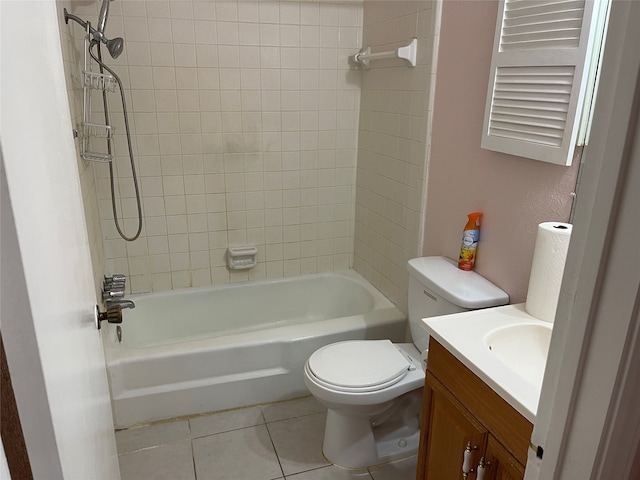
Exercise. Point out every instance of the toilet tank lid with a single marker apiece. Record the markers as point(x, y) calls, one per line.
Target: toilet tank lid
point(464, 289)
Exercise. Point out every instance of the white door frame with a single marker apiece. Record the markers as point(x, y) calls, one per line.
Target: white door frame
point(588, 416)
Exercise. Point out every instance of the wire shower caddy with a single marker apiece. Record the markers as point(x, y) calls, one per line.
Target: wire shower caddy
point(94, 130)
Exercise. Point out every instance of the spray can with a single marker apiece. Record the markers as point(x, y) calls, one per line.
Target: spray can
point(470, 237)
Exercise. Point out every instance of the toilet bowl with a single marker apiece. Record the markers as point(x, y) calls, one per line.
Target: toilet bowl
point(372, 417)
point(373, 388)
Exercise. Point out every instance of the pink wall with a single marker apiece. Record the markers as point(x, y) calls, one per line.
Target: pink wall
point(515, 194)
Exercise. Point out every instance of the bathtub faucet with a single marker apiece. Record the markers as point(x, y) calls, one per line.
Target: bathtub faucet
point(120, 301)
point(113, 290)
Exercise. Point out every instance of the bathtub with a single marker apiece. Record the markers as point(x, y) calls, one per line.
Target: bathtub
point(198, 350)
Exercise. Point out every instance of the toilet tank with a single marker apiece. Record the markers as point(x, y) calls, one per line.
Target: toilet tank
point(438, 287)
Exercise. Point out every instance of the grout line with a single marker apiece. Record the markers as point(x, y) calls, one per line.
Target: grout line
point(274, 447)
point(193, 455)
point(206, 414)
point(296, 416)
point(193, 461)
point(227, 431)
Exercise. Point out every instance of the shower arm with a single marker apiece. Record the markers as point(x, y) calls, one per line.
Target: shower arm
point(96, 34)
point(115, 45)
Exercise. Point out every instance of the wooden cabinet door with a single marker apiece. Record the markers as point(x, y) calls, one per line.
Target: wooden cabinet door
point(447, 427)
point(501, 465)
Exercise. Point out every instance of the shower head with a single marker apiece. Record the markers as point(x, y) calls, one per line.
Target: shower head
point(115, 45)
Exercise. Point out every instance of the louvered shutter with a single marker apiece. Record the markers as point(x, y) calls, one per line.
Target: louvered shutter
point(538, 78)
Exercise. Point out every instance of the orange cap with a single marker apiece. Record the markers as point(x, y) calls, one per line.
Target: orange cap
point(474, 220)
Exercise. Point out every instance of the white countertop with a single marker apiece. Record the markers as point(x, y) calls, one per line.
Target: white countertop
point(463, 335)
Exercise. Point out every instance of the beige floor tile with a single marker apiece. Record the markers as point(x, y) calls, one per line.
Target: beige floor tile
point(225, 421)
point(245, 454)
point(168, 462)
point(133, 439)
point(400, 470)
point(293, 408)
point(298, 442)
point(237, 445)
point(331, 473)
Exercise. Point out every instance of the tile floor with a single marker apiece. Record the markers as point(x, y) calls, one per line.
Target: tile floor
point(266, 442)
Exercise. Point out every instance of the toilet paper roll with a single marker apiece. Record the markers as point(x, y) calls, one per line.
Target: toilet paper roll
point(549, 256)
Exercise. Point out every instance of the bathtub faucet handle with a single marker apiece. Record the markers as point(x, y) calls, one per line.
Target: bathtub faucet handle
point(115, 278)
point(116, 281)
point(113, 291)
point(113, 286)
point(110, 294)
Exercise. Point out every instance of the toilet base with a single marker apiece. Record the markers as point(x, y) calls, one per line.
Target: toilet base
point(357, 442)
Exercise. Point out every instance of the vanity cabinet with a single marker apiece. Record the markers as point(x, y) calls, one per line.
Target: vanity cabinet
point(460, 412)
point(501, 465)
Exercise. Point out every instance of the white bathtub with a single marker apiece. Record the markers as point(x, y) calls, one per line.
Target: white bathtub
point(199, 350)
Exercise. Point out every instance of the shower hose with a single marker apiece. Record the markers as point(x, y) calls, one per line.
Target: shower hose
point(104, 67)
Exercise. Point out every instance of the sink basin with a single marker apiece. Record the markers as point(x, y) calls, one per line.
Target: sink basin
point(504, 346)
point(523, 348)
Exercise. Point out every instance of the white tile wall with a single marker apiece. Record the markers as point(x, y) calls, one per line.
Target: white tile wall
point(393, 149)
point(72, 59)
point(244, 121)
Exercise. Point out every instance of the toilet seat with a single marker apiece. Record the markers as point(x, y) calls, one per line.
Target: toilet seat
point(359, 366)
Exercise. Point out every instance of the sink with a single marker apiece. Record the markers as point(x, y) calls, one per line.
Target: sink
point(523, 348)
point(504, 346)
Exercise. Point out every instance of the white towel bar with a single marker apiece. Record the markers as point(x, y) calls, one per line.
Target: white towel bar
point(408, 52)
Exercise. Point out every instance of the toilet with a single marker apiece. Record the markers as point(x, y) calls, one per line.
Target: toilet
point(373, 388)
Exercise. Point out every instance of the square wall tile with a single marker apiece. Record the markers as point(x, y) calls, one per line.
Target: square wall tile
point(250, 90)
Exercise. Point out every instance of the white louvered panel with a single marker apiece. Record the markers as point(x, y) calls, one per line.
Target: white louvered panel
point(541, 136)
point(537, 83)
point(533, 24)
point(531, 103)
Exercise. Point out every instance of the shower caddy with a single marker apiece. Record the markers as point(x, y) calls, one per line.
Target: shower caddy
point(104, 83)
point(101, 82)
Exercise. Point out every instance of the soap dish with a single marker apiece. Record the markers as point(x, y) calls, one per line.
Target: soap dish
point(242, 258)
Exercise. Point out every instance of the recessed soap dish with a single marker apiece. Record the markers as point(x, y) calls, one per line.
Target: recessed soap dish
point(242, 258)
